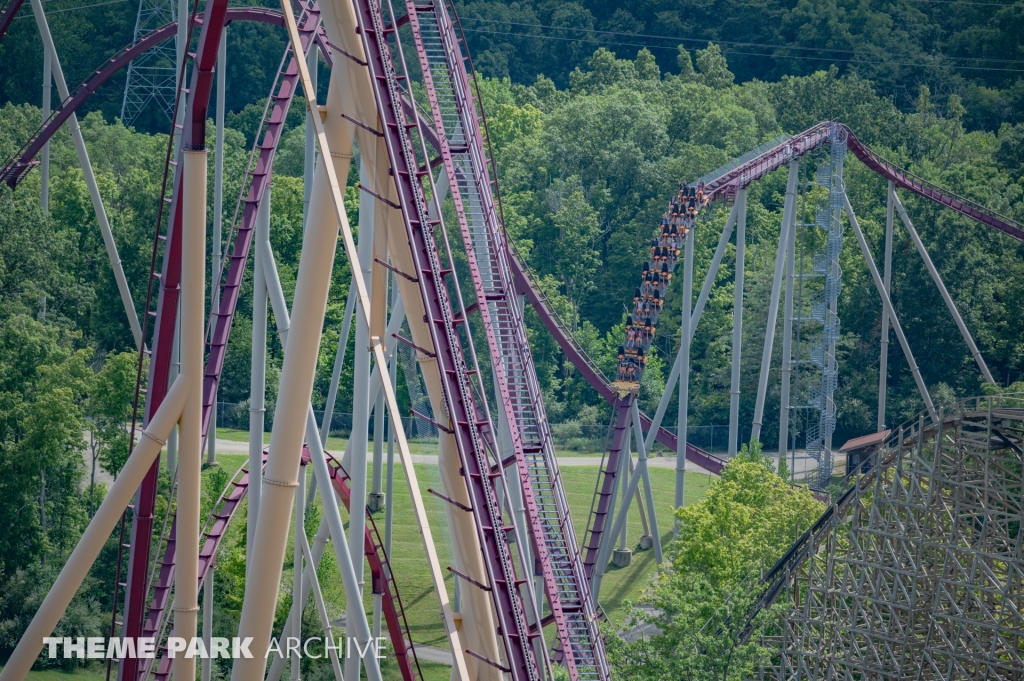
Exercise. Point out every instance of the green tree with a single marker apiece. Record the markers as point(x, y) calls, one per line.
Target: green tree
point(110, 409)
point(700, 603)
point(713, 67)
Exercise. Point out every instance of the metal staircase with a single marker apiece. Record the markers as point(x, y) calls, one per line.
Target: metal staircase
point(457, 125)
point(467, 418)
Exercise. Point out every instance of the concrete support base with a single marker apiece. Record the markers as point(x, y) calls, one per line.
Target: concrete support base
point(622, 557)
point(646, 542)
point(375, 501)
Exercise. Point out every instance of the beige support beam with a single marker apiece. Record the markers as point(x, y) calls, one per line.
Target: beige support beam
point(363, 306)
point(190, 443)
point(96, 534)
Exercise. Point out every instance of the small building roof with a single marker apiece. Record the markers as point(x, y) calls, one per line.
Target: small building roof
point(865, 441)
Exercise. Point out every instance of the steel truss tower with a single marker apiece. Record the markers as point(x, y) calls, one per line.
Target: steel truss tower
point(151, 75)
point(918, 570)
point(815, 363)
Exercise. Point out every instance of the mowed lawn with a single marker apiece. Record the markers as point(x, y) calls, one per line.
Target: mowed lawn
point(409, 564)
point(410, 567)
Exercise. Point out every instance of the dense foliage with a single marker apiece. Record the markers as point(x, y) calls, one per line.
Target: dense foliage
point(589, 147)
point(701, 602)
point(972, 49)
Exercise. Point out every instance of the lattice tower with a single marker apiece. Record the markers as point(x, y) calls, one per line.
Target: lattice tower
point(151, 75)
point(918, 573)
point(817, 324)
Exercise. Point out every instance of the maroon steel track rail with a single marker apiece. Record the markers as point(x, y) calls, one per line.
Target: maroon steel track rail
point(214, 532)
point(13, 172)
point(222, 318)
point(163, 332)
point(470, 428)
point(599, 518)
point(588, 368)
point(452, 106)
point(381, 574)
point(912, 183)
point(10, 8)
point(382, 578)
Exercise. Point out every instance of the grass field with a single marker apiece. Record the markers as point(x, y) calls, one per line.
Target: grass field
point(338, 444)
point(407, 557)
point(620, 585)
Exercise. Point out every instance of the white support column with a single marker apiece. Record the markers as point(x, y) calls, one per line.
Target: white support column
point(258, 374)
point(308, 580)
point(90, 177)
point(187, 521)
point(950, 305)
point(737, 323)
point(44, 156)
point(218, 220)
point(888, 306)
point(311, 583)
point(339, 363)
point(787, 333)
point(207, 671)
point(682, 418)
point(883, 359)
point(773, 303)
point(297, 594)
point(358, 440)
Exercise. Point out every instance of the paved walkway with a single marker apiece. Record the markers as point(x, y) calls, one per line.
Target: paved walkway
point(803, 464)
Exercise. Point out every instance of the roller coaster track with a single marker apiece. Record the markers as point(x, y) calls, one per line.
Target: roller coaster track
point(908, 436)
point(469, 421)
point(7, 12)
point(381, 574)
point(496, 272)
point(468, 168)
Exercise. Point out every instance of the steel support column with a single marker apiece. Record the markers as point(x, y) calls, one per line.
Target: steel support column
point(883, 359)
point(89, 177)
point(888, 306)
point(218, 220)
point(950, 305)
point(187, 520)
point(682, 418)
point(737, 323)
point(787, 334)
point(788, 210)
point(258, 372)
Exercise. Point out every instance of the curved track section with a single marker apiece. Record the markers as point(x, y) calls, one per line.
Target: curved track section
point(7, 12)
point(14, 170)
point(381, 574)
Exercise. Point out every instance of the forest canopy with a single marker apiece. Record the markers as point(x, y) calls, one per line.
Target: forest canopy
point(595, 113)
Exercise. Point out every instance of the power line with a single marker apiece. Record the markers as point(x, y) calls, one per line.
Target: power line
point(72, 9)
point(706, 40)
point(730, 51)
point(964, 2)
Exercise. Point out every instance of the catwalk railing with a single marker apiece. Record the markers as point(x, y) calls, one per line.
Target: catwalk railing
point(453, 108)
point(470, 423)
